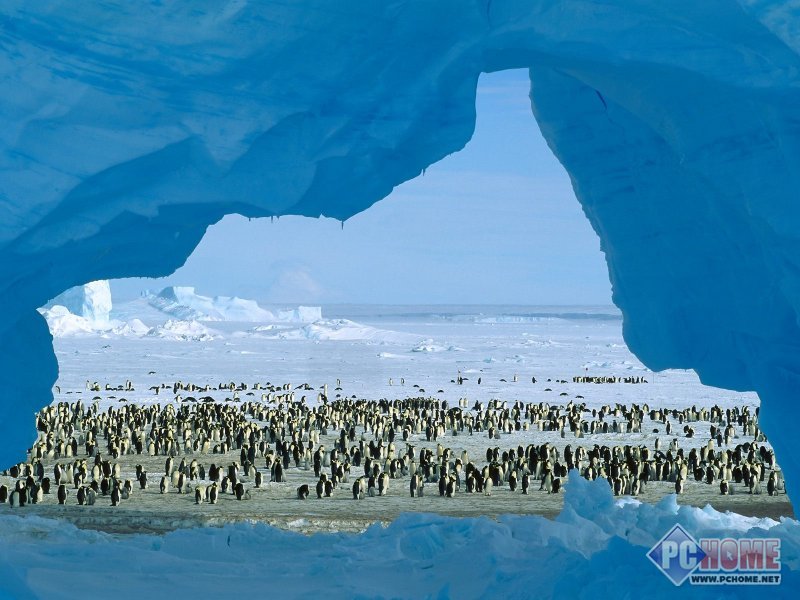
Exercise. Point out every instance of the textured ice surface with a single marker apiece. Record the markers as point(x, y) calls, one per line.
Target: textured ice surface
point(594, 544)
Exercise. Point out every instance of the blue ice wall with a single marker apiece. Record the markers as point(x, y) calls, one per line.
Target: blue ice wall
point(129, 127)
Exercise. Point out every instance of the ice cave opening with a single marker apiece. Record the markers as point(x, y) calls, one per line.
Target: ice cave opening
point(132, 127)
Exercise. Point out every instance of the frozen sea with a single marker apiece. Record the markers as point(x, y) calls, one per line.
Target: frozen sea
point(372, 349)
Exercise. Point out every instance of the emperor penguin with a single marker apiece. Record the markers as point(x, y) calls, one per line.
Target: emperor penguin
point(213, 493)
point(302, 492)
point(772, 484)
point(62, 494)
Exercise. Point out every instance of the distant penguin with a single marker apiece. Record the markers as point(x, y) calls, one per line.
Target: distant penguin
point(164, 485)
point(679, 485)
point(3, 494)
point(81, 495)
point(259, 479)
point(487, 487)
point(115, 496)
point(358, 492)
point(723, 487)
point(302, 492)
point(213, 493)
point(143, 480)
point(526, 482)
point(198, 494)
point(239, 491)
point(91, 496)
point(62, 494)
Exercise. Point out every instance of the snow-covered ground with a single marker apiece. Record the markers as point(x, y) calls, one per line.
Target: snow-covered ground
point(386, 352)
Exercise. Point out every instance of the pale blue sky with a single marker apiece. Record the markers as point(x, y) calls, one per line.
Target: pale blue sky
point(496, 223)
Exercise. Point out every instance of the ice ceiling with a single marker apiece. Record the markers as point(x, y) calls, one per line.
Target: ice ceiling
point(129, 127)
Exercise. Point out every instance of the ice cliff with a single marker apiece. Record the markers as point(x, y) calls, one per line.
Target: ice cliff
point(128, 128)
point(91, 301)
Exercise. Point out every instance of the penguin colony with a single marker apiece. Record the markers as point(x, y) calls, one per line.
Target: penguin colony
point(214, 450)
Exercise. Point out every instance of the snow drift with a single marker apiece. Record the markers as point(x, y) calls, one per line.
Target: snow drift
point(594, 544)
point(336, 330)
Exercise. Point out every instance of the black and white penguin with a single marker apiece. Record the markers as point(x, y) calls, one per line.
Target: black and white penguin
point(358, 489)
point(213, 493)
point(164, 485)
point(526, 483)
point(679, 485)
point(143, 480)
point(772, 484)
point(302, 492)
point(81, 495)
point(115, 496)
point(62, 494)
point(321, 486)
point(723, 487)
point(415, 485)
point(258, 479)
point(3, 494)
point(239, 491)
point(199, 494)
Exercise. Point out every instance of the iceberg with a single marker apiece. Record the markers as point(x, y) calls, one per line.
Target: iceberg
point(91, 301)
point(185, 303)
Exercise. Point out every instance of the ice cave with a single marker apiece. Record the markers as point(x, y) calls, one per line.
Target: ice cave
point(132, 127)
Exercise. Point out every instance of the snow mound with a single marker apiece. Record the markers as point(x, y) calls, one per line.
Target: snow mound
point(91, 301)
point(62, 323)
point(130, 329)
point(183, 331)
point(344, 330)
point(624, 365)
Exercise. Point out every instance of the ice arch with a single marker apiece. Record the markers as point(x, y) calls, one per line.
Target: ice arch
point(128, 128)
